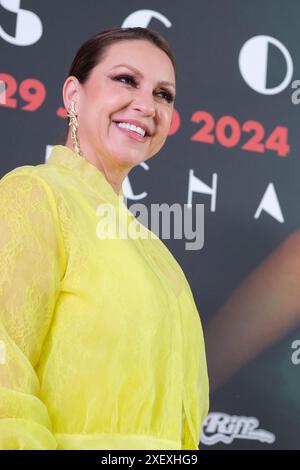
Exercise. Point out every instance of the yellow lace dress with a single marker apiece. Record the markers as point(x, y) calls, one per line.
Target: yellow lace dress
point(101, 343)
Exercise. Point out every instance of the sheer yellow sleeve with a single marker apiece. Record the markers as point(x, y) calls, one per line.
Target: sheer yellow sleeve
point(31, 265)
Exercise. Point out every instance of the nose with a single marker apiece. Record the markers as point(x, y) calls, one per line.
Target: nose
point(144, 102)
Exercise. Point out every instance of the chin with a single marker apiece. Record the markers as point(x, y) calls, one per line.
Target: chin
point(130, 161)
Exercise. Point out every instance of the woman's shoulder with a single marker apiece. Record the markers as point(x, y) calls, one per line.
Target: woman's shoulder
point(20, 170)
point(49, 177)
point(31, 185)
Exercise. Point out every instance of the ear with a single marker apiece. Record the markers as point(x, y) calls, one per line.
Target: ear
point(71, 92)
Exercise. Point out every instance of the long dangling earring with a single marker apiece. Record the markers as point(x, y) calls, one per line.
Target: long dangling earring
point(74, 128)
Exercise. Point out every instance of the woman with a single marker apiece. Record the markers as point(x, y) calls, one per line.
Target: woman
point(102, 344)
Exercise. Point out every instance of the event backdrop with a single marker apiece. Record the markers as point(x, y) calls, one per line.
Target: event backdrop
point(233, 146)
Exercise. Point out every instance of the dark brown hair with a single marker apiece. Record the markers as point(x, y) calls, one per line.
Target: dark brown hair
point(93, 50)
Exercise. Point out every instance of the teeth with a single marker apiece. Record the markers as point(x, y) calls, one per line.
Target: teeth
point(132, 127)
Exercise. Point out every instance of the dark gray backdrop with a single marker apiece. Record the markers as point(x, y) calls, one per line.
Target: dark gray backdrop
point(207, 37)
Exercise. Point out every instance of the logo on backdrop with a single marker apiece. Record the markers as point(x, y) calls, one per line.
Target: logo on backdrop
point(142, 18)
point(254, 64)
point(29, 28)
point(269, 202)
point(221, 427)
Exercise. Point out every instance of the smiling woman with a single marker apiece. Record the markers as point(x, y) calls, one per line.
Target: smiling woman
point(101, 341)
point(122, 85)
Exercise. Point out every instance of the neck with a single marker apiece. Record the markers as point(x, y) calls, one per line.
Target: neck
point(114, 175)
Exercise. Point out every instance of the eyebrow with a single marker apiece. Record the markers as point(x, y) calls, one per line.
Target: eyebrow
point(162, 82)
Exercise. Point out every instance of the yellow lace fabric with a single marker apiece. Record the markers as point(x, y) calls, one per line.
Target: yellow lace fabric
point(101, 343)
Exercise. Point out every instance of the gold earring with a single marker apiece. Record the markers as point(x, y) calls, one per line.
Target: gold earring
point(73, 123)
